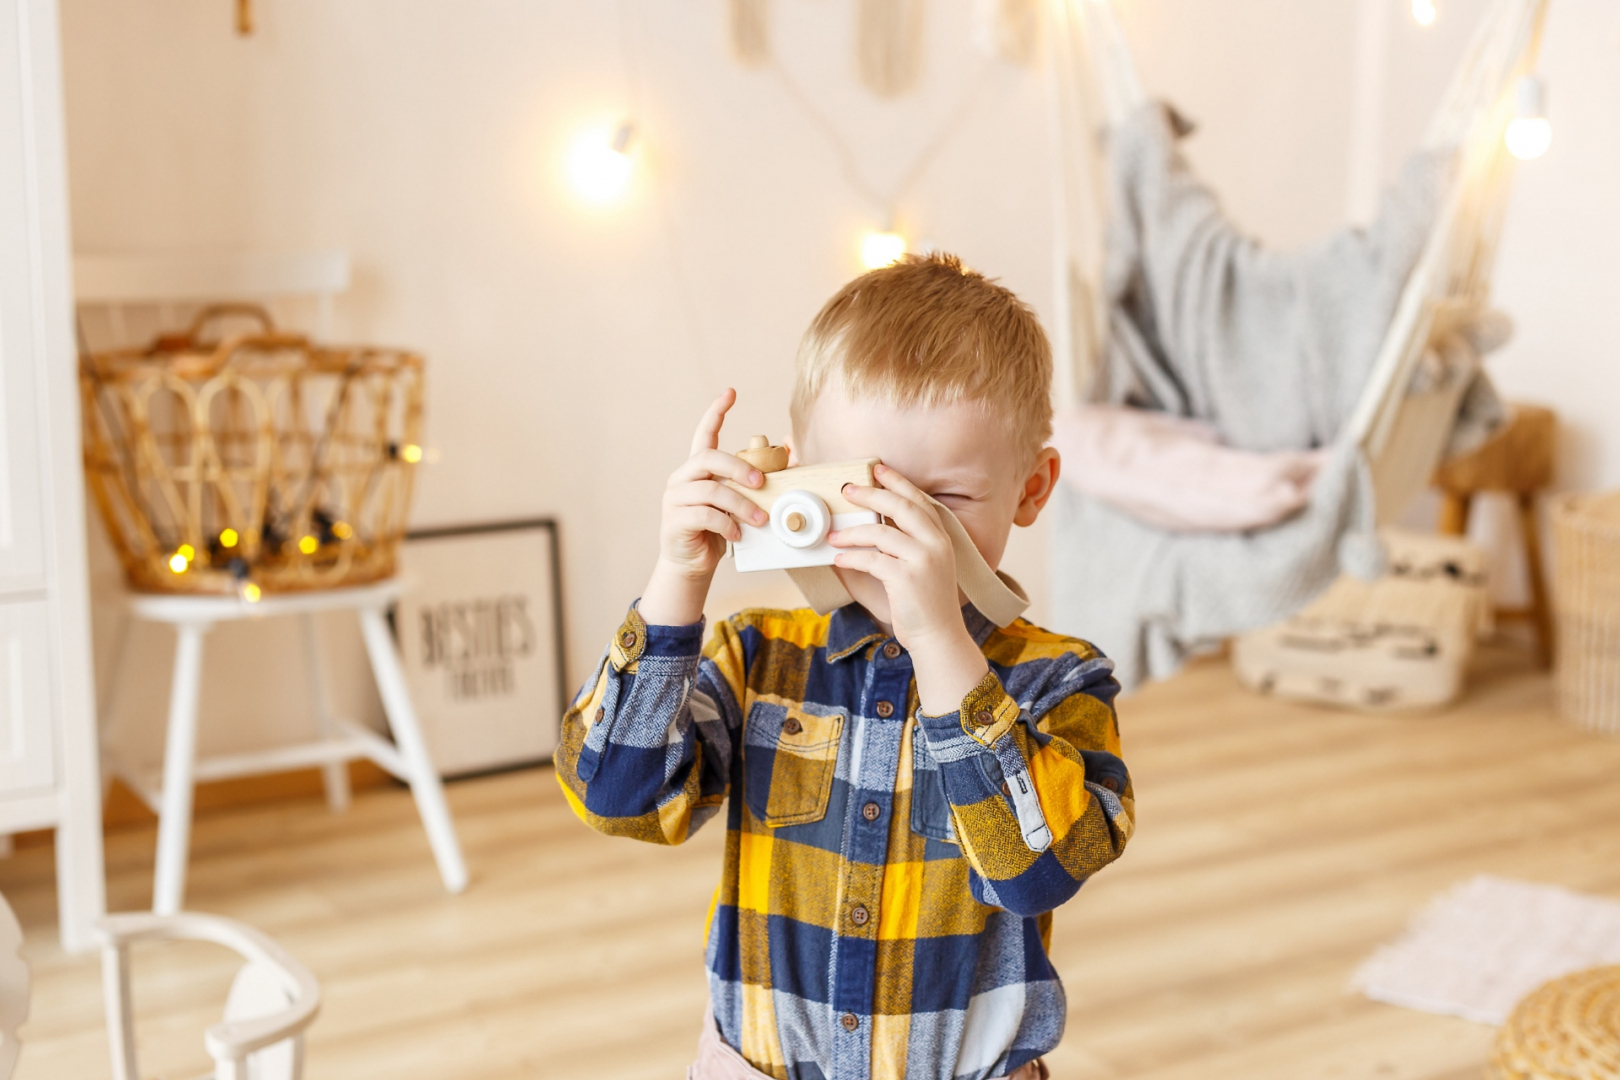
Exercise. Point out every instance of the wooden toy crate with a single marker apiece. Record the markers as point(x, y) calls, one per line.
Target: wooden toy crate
point(258, 463)
point(1586, 596)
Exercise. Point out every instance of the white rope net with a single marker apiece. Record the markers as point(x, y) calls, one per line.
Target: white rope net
point(1094, 86)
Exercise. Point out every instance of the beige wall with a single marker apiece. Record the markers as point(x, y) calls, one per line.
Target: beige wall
point(572, 349)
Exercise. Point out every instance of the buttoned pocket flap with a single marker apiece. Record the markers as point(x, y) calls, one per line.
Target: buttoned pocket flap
point(790, 754)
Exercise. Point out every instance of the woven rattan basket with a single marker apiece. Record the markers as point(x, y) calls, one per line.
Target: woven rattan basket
point(260, 463)
point(1569, 1029)
point(1586, 535)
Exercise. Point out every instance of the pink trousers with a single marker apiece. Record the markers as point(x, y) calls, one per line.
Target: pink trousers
point(717, 1061)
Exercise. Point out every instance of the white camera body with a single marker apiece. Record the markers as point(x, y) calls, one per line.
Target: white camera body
point(805, 504)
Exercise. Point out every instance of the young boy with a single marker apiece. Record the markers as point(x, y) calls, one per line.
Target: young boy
point(911, 789)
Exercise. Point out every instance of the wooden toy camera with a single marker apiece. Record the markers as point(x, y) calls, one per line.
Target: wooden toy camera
point(805, 504)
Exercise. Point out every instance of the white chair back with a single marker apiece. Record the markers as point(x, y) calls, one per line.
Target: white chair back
point(272, 1000)
point(14, 988)
point(114, 291)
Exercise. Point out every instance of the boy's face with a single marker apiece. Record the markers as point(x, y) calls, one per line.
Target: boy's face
point(958, 453)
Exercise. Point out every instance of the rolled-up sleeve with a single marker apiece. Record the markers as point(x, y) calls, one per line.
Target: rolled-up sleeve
point(647, 744)
point(1039, 794)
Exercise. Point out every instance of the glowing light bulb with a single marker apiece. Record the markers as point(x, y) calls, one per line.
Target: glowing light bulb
point(178, 563)
point(342, 530)
point(250, 592)
point(600, 164)
point(1529, 133)
point(1528, 137)
point(1423, 12)
point(880, 249)
point(308, 544)
point(186, 552)
point(410, 453)
point(228, 538)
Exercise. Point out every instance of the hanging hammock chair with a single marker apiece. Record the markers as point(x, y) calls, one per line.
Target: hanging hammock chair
point(1364, 348)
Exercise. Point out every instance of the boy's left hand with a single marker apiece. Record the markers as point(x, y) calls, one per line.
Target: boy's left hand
point(914, 560)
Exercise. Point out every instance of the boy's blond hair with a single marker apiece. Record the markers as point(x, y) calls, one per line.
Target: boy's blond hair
point(929, 331)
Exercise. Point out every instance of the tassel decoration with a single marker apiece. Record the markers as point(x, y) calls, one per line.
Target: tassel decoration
point(889, 45)
point(750, 32)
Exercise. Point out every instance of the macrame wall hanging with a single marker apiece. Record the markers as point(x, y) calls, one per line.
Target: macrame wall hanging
point(889, 37)
point(889, 44)
point(1009, 29)
point(749, 28)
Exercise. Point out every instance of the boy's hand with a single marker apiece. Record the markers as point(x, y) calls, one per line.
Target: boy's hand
point(699, 515)
point(914, 560)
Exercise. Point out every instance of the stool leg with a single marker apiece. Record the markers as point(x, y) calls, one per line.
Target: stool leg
point(107, 702)
point(179, 760)
point(424, 779)
point(1540, 609)
point(1454, 508)
point(336, 775)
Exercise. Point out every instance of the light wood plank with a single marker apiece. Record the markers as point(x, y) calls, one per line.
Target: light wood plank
point(1278, 844)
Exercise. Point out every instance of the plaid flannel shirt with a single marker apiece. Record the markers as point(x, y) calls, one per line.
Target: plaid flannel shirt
point(885, 905)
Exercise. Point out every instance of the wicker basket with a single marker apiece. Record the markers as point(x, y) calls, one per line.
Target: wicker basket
point(1568, 1029)
point(1586, 535)
point(261, 463)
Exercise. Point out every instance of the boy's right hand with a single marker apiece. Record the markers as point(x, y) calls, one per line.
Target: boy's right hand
point(699, 515)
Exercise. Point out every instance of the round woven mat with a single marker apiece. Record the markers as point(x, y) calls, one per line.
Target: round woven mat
point(1569, 1029)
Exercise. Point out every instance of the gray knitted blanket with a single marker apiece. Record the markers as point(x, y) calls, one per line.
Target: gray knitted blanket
point(1272, 348)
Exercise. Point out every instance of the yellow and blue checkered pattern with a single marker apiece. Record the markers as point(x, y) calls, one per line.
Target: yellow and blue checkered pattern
point(885, 904)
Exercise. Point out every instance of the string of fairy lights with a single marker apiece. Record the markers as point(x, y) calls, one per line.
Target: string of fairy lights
point(603, 161)
point(1529, 133)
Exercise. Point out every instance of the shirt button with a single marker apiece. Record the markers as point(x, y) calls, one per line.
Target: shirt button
point(1111, 784)
point(871, 811)
point(792, 727)
point(859, 915)
point(891, 650)
point(984, 717)
point(850, 1021)
point(885, 709)
point(627, 638)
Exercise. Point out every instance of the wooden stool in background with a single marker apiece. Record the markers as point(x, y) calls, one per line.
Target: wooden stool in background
point(1517, 460)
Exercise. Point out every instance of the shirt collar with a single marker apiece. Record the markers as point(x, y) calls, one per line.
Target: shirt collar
point(852, 629)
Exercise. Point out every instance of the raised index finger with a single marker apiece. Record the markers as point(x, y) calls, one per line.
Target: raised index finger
point(707, 435)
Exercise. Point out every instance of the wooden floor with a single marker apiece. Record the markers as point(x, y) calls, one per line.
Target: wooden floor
point(1277, 846)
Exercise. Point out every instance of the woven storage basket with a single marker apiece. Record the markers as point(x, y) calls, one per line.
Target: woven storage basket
point(1568, 1029)
point(1586, 536)
point(261, 463)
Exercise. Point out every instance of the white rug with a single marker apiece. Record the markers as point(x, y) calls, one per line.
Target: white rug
point(1477, 950)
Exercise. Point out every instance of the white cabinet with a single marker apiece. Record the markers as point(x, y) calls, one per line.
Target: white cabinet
point(27, 752)
point(48, 769)
point(21, 557)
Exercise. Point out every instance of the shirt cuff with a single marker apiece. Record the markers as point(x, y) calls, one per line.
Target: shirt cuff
point(987, 713)
point(635, 639)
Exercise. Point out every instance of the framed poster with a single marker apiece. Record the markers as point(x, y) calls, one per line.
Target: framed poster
point(481, 637)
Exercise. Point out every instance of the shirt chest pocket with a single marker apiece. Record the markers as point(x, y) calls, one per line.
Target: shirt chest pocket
point(930, 809)
point(790, 753)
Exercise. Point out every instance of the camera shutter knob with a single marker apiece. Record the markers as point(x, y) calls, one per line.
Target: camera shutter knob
point(795, 522)
point(763, 456)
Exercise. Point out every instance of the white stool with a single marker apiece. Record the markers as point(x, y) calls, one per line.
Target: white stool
point(341, 741)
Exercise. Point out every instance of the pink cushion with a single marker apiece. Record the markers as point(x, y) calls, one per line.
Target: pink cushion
point(1174, 473)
